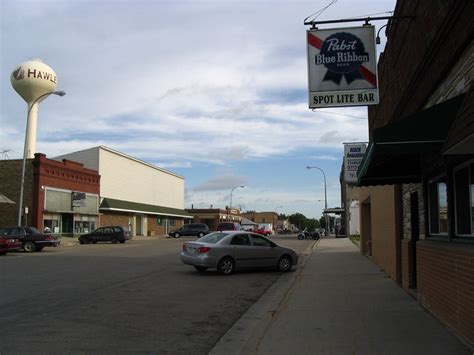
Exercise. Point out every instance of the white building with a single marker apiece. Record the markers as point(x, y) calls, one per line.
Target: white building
point(145, 198)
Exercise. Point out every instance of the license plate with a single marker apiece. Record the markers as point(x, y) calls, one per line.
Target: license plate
point(12, 240)
point(192, 250)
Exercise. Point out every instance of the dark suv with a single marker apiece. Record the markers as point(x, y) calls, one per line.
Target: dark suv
point(229, 226)
point(112, 234)
point(197, 229)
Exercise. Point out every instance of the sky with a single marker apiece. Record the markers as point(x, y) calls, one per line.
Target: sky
point(215, 91)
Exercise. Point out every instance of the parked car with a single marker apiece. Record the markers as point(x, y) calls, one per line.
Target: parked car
point(30, 238)
point(227, 251)
point(229, 226)
point(262, 232)
point(112, 234)
point(8, 244)
point(192, 229)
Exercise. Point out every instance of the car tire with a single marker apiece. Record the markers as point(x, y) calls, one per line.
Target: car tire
point(114, 240)
point(3, 253)
point(226, 266)
point(122, 241)
point(176, 235)
point(284, 264)
point(29, 247)
point(39, 248)
point(93, 242)
point(200, 268)
point(81, 241)
point(200, 235)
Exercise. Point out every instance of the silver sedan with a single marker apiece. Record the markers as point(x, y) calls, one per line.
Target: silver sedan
point(230, 250)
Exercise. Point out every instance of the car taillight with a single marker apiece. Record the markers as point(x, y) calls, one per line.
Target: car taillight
point(203, 249)
point(184, 247)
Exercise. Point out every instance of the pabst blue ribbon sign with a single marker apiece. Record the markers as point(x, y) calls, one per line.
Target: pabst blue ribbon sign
point(342, 67)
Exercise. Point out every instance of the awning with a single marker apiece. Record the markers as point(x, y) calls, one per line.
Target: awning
point(109, 204)
point(396, 153)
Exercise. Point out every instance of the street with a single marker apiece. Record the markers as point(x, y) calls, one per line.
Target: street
point(115, 298)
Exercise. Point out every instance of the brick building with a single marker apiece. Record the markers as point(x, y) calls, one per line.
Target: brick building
point(60, 196)
point(417, 199)
point(213, 216)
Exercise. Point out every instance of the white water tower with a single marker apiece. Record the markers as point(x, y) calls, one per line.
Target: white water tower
point(33, 81)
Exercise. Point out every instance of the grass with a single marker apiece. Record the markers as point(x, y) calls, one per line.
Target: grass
point(355, 239)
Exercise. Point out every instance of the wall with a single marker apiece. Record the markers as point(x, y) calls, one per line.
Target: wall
point(10, 176)
point(134, 181)
point(116, 219)
point(382, 227)
point(446, 284)
point(412, 65)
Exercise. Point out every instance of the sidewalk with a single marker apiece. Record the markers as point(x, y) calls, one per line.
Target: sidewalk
point(339, 302)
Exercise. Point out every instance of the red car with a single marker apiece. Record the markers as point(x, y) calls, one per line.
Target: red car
point(262, 232)
point(9, 244)
point(30, 238)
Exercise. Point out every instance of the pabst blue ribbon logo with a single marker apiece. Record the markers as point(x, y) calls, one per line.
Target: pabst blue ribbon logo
point(342, 54)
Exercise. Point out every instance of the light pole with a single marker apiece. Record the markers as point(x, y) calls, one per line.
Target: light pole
point(325, 197)
point(31, 106)
point(231, 192)
point(275, 211)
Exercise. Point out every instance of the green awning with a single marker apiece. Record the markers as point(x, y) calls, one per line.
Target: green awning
point(396, 153)
point(109, 204)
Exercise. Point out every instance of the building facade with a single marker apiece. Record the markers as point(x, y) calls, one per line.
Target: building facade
point(60, 197)
point(213, 216)
point(417, 203)
point(263, 217)
point(135, 194)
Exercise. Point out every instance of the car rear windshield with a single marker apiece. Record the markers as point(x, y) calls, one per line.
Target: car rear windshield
point(212, 238)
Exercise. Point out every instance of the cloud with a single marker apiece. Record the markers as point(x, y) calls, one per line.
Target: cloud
point(223, 182)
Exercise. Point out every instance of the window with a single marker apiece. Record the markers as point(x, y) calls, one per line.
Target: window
point(261, 242)
point(464, 199)
point(438, 206)
point(241, 239)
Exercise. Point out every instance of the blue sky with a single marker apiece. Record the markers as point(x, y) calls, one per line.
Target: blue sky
point(215, 91)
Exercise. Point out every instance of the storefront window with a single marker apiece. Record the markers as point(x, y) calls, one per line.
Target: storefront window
point(51, 223)
point(464, 199)
point(438, 206)
point(84, 224)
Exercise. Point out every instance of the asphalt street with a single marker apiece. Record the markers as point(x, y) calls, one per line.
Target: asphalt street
point(122, 298)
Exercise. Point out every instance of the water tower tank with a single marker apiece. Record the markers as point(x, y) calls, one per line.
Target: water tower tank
point(33, 80)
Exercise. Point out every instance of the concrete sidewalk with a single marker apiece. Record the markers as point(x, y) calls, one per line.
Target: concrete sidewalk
point(339, 302)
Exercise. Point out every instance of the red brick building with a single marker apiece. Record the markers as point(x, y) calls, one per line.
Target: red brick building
point(60, 196)
point(417, 206)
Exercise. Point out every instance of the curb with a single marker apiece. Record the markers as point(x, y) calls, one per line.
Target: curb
point(245, 335)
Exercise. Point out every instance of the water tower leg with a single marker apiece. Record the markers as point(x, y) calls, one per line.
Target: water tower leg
point(31, 125)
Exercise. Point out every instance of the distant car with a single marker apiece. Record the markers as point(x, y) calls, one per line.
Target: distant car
point(8, 244)
point(30, 238)
point(227, 251)
point(229, 226)
point(114, 234)
point(262, 232)
point(192, 229)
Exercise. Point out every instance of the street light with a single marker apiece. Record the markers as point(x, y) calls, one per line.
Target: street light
point(231, 192)
point(25, 152)
point(325, 197)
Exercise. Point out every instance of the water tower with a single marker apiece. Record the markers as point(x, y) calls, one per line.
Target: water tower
point(33, 81)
